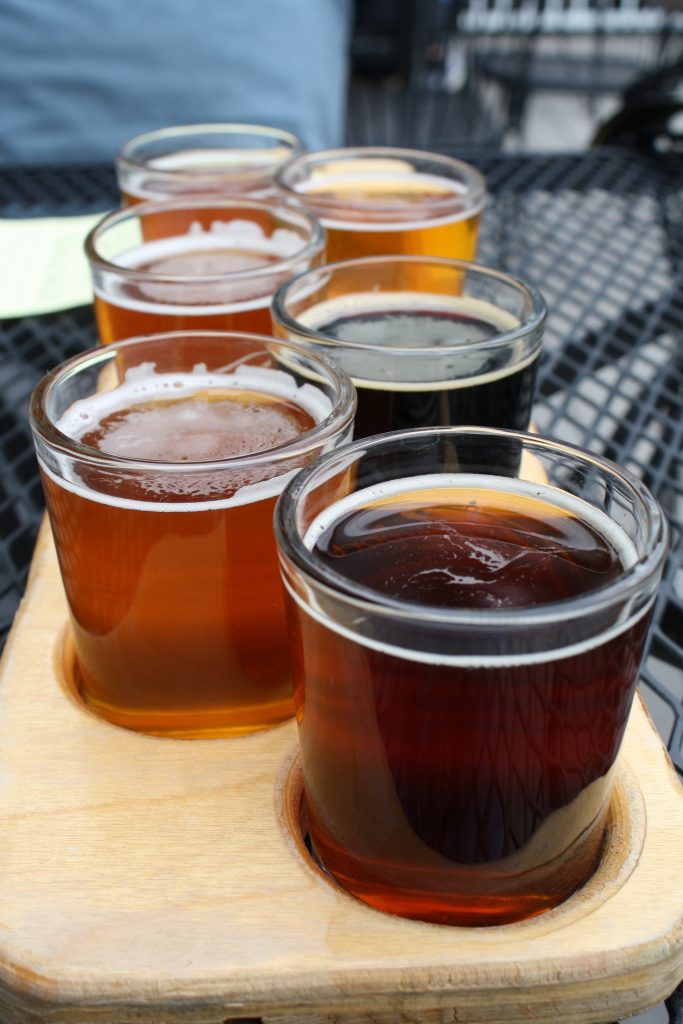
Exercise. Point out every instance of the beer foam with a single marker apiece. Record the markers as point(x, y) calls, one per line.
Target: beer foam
point(451, 378)
point(371, 302)
point(197, 159)
point(239, 236)
point(440, 487)
point(391, 177)
point(142, 384)
point(378, 184)
point(237, 233)
point(353, 167)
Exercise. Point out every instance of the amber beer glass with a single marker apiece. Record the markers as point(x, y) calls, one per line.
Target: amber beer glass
point(161, 460)
point(466, 647)
point(427, 342)
point(379, 202)
point(208, 159)
point(196, 264)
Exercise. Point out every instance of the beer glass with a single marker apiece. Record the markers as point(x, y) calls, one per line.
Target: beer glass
point(427, 342)
point(383, 201)
point(214, 159)
point(466, 647)
point(161, 459)
point(196, 264)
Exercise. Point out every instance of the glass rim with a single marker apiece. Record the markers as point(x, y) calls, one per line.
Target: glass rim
point(311, 248)
point(127, 159)
point(533, 323)
point(368, 601)
point(340, 416)
point(469, 202)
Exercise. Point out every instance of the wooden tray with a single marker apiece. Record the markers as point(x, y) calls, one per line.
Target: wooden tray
point(158, 880)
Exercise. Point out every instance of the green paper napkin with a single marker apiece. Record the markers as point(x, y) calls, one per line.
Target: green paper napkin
point(42, 264)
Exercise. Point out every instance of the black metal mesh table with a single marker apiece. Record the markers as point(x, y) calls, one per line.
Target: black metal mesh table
point(600, 233)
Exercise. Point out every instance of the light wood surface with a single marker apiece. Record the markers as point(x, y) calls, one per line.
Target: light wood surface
point(156, 880)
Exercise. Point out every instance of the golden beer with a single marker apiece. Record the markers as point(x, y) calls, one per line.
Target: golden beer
point(381, 202)
point(203, 159)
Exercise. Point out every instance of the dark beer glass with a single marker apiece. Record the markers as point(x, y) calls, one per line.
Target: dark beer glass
point(427, 342)
point(161, 460)
point(196, 264)
point(208, 159)
point(466, 645)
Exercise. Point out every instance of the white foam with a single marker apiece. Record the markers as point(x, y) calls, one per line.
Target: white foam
point(391, 178)
point(370, 302)
point(326, 312)
point(235, 235)
point(325, 185)
point(599, 520)
point(197, 160)
point(403, 225)
point(124, 301)
point(143, 384)
point(249, 169)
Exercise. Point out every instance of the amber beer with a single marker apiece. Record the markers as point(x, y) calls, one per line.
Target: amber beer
point(163, 528)
point(462, 702)
point(196, 265)
point(377, 202)
point(204, 159)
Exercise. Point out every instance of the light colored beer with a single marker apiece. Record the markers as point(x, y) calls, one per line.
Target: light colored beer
point(171, 575)
point(380, 206)
point(203, 159)
point(243, 172)
point(410, 234)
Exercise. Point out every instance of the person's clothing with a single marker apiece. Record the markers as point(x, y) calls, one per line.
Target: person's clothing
point(78, 78)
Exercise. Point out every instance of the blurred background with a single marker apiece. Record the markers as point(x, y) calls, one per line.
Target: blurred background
point(77, 80)
point(540, 75)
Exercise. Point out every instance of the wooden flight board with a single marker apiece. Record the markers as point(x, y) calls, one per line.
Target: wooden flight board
point(166, 881)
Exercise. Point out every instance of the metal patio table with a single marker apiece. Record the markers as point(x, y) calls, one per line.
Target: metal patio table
point(600, 233)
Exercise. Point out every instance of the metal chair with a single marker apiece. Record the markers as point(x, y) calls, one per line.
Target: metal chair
point(587, 47)
point(401, 92)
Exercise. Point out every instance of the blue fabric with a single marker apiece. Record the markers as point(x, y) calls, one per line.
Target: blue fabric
point(80, 77)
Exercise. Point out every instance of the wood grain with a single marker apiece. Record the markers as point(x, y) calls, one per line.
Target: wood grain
point(154, 880)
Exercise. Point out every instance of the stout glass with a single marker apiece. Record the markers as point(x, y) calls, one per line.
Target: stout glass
point(161, 460)
point(427, 342)
point(196, 264)
point(209, 159)
point(383, 201)
point(466, 647)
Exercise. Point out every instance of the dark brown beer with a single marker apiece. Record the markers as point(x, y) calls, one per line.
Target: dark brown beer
point(443, 786)
point(394, 395)
point(171, 576)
